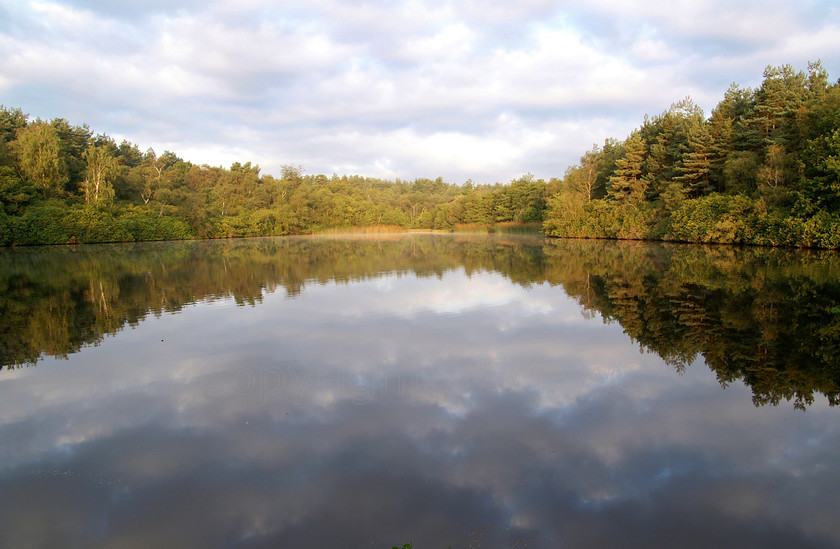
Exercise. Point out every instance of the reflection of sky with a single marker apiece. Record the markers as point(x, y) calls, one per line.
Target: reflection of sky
point(401, 409)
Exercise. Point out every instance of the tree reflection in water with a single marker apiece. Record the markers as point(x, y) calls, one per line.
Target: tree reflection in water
point(769, 317)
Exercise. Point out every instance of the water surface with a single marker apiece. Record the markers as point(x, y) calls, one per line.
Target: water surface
point(445, 390)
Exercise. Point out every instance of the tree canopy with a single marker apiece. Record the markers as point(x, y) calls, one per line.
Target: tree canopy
point(762, 169)
point(60, 184)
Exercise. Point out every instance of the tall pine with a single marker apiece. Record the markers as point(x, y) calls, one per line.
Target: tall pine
point(694, 169)
point(627, 183)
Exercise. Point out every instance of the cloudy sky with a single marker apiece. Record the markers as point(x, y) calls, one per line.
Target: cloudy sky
point(483, 90)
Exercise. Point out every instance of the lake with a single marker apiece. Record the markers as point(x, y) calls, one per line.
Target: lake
point(462, 390)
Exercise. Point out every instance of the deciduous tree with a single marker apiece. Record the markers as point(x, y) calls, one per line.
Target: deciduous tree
point(38, 152)
point(101, 170)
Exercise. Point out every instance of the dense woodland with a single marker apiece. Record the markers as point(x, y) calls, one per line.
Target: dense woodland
point(778, 332)
point(764, 168)
point(60, 184)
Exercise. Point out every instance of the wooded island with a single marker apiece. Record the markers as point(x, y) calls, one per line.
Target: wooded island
point(763, 169)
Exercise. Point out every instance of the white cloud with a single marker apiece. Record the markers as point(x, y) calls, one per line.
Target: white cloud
point(451, 42)
point(486, 91)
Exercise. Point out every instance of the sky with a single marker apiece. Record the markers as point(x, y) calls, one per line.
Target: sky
point(488, 91)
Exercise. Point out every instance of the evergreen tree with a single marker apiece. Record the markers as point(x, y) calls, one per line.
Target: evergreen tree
point(823, 168)
point(627, 183)
point(666, 137)
point(73, 141)
point(721, 128)
point(738, 105)
point(781, 94)
point(606, 164)
point(11, 121)
point(696, 163)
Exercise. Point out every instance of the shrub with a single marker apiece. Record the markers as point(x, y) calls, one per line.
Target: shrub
point(715, 218)
point(145, 225)
point(96, 224)
point(7, 228)
point(43, 223)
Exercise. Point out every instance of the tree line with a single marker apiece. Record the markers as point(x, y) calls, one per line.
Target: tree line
point(60, 183)
point(762, 169)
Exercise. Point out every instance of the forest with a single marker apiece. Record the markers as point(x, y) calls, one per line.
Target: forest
point(61, 184)
point(763, 169)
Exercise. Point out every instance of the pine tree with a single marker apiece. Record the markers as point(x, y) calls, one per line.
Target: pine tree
point(666, 137)
point(721, 127)
point(777, 101)
point(627, 184)
point(696, 162)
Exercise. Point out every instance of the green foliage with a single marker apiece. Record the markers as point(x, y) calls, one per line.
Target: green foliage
point(38, 152)
point(695, 166)
point(73, 140)
point(15, 193)
point(6, 228)
point(101, 171)
point(56, 222)
point(740, 171)
point(762, 170)
point(11, 120)
point(43, 223)
point(91, 223)
point(599, 219)
point(142, 196)
point(717, 218)
point(627, 183)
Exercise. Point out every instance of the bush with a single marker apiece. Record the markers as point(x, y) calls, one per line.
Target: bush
point(821, 231)
point(43, 223)
point(717, 218)
point(144, 225)
point(7, 228)
point(598, 219)
point(96, 224)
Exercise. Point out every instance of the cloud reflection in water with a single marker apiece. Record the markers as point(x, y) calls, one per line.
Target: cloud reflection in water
point(402, 408)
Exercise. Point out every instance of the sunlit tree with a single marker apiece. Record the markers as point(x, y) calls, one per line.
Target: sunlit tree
point(627, 184)
point(38, 152)
point(100, 172)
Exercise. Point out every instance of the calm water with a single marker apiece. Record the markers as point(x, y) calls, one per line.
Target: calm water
point(445, 390)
